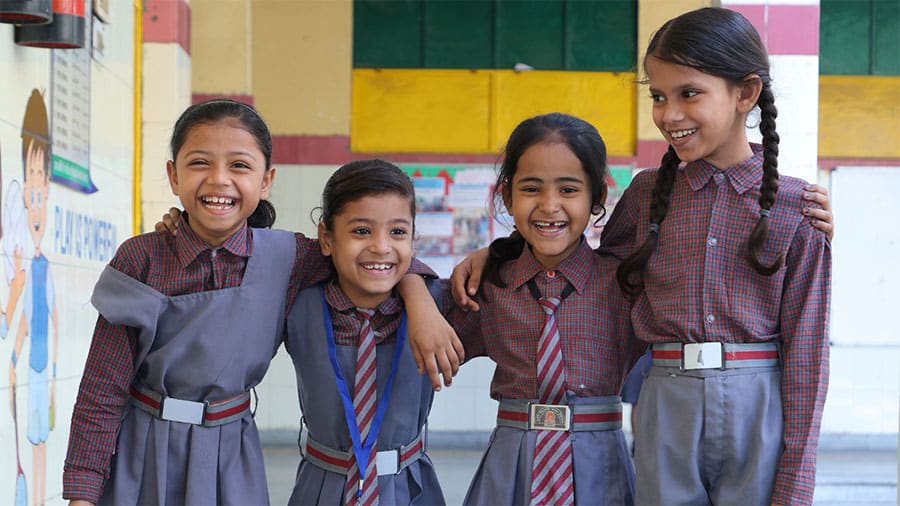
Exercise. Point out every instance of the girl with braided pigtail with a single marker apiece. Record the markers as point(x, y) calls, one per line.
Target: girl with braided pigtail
point(730, 285)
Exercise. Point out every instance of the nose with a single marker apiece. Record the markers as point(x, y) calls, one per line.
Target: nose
point(670, 112)
point(218, 174)
point(380, 243)
point(549, 202)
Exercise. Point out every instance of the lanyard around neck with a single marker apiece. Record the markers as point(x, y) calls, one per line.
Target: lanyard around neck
point(532, 287)
point(362, 449)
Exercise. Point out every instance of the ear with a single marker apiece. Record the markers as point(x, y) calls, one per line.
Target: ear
point(173, 177)
point(325, 239)
point(748, 92)
point(268, 179)
point(506, 195)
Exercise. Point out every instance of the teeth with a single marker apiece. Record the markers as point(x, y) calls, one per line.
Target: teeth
point(682, 133)
point(221, 201)
point(548, 224)
point(377, 267)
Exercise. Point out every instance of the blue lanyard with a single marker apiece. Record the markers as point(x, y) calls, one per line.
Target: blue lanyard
point(362, 449)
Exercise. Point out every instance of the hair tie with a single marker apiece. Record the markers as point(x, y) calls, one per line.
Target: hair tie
point(764, 213)
point(654, 228)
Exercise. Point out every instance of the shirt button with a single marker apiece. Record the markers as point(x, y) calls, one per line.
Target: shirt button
point(711, 241)
point(710, 318)
point(551, 274)
point(719, 177)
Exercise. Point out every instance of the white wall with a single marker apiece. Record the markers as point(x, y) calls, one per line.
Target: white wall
point(74, 262)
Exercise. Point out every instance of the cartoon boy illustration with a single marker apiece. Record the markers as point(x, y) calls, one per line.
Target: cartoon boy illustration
point(39, 307)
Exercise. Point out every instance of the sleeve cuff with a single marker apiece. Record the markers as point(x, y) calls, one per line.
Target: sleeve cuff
point(82, 485)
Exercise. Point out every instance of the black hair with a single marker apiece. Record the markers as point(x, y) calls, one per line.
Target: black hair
point(363, 178)
point(585, 142)
point(722, 43)
point(218, 109)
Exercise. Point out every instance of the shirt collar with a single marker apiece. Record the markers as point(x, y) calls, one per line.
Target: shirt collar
point(575, 268)
point(188, 245)
point(742, 176)
point(338, 300)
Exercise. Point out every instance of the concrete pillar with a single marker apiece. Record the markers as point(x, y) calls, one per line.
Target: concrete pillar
point(166, 93)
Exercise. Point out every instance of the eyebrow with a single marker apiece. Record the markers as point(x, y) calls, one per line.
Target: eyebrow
point(230, 153)
point(367, 221)
point(564, 179)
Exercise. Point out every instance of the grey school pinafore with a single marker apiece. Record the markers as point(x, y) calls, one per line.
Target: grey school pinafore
point(323, 413)
point(203, 346)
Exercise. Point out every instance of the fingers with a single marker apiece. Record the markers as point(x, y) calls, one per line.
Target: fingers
point(458, 283)
point(818, 194)
point(821, 219)
point(434, 374)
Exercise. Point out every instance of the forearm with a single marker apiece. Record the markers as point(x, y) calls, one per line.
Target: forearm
point(102, 397)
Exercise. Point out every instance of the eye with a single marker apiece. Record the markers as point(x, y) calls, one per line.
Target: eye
point(569, 189)
point(197, 162)
point(241, 165)
point(361, 231)
point(529, 189)
point(690, 93)
point(399, 232)
point(657, 98)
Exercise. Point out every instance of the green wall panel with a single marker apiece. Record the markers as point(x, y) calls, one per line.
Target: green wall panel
point(387, 34)
point(529, 31)
point(886, 37)
point(844, 43)
point(458, 34)
point(601, 35)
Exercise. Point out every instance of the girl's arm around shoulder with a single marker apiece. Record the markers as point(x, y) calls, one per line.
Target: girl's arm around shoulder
point(434, 344)
point(466, 323)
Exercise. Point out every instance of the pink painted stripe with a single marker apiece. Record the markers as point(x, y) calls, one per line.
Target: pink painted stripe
point(335, 150)
point(832, 163)
point(168, 21)
point(200, 97)
point(785, 29)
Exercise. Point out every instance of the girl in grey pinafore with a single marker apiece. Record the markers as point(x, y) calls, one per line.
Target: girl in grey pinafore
point(323, 412)
point(203, 346)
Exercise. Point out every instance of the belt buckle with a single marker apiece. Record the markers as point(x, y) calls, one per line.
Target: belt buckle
point(178, 410)
point(387, 462)
point(702, 356)
point(549, 416)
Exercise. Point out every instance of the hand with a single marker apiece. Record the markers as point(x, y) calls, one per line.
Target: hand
point(432, 340)
point(466, 278)
point(169, 222)
point(441, 354)
point(820, 217)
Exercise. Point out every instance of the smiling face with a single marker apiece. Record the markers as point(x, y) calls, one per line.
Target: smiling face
point(220, 176)
point(370, 244)
point(549, 198)
point(702, 116)
point(37, 185)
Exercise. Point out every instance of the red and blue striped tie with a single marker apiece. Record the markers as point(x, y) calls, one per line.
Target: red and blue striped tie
point(551, 474)
point(364, 403)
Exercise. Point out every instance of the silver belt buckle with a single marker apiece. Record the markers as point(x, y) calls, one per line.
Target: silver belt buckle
point(387, 462)
point(549, 417)
point(178, 410)
point(701, 356)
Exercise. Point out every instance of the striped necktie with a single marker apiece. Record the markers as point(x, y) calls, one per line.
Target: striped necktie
point(364, 403)
point(551, 473)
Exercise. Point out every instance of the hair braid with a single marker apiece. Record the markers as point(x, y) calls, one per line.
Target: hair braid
point(659, 207)
point(769, 186)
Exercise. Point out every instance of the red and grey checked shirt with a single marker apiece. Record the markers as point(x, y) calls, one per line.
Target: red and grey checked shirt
point(174, 266)
point(346, 322)
point(700, 287)
point(593, 321)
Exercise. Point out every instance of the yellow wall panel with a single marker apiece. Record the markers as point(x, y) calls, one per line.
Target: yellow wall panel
point(220, 40)
point(464, 111)
point(605, 99)
point(434, 111)
point(859, 117)
point(302, 60)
